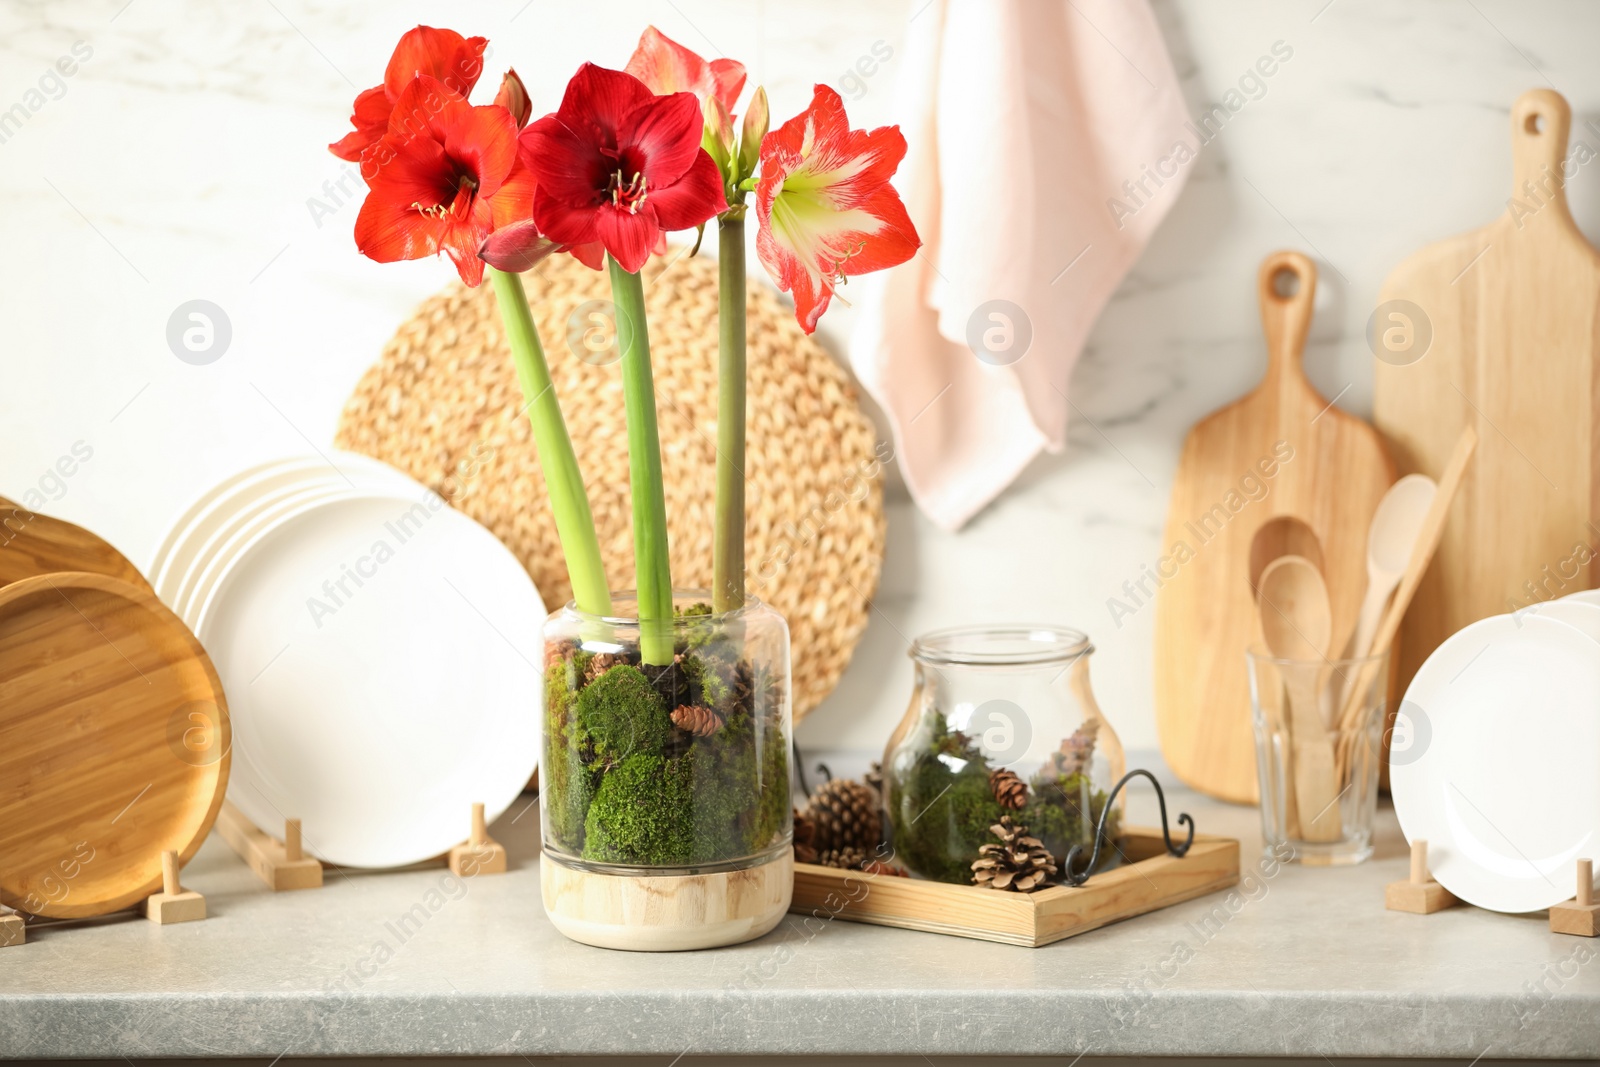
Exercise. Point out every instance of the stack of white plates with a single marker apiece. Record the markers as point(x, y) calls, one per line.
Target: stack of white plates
point(379, 651)
point(1496, 755)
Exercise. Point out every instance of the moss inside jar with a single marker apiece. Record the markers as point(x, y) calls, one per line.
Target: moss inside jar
point(674, 765)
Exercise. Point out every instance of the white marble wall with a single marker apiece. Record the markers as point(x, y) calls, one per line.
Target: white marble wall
point(177, 160)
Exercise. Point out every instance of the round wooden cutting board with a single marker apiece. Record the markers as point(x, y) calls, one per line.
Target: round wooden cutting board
point(114, 743)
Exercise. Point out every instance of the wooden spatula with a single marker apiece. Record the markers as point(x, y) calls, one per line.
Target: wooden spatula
point(32, 544)
point(1282, 450)
point(1514, 354)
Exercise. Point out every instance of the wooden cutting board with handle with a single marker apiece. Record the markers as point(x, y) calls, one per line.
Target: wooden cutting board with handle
point(1281, 451)
point(1496, 329)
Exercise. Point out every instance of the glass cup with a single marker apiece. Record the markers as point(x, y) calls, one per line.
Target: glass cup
point(1319, 732)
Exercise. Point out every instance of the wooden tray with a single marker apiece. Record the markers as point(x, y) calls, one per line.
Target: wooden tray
point(1150, 879)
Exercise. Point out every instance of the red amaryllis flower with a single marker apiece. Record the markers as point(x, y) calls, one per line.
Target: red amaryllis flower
point(825, 206)
point(455, 60)
point(618, 165)
point(445, 175)
point(665, 66)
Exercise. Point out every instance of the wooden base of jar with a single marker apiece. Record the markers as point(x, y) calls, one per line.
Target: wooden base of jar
point(666, 913)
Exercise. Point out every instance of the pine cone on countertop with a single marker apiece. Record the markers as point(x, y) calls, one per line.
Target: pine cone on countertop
point(849, 859)
point(1008, 789)
point(846, 815)
point(1017, 862)
point(700, 721)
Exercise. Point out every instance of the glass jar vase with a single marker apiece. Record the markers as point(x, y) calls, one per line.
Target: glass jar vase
point(1002, 722)
point(664, 786)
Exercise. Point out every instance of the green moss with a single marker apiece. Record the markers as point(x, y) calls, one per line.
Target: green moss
point(641, 813)
point(566, 786)
point(620, 715)
point(943, 807)
point(625, 785)
point(942, 812)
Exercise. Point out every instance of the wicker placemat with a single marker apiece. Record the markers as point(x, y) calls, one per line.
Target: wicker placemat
point(443, 405)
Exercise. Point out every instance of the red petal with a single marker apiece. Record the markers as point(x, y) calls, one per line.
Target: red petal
point(568, 166)
point(484, 139)
point(591, 255)
point(597, 100)
point(628, 236)
point(443, 54)
point(665, 66)
point(562, 222)
point(425, 108)
point(693, 198)
point(516, 247)
point(894, 243)
point(370, 117)
point(666, 129)
point(727, 77)
point(513, 202)
point(812, 293)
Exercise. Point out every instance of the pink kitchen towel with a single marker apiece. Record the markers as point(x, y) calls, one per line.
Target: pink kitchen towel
point(1046, 142)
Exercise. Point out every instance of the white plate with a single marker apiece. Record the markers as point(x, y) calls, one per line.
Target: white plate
point(377, 712)
point(1584, 614)
point(1584, 596)
point(216, 505)
point(228, 536)
point(1496, 761)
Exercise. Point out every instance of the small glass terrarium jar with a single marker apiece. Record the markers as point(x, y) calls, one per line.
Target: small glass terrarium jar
point(1002, 723)
point(664, 781)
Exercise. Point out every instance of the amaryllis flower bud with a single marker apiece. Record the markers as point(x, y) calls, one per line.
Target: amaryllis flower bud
point(756, 117)
point(513, 96)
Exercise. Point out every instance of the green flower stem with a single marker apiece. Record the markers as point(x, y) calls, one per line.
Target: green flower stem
point(569, 502)
point(653, 573)
point(727, 553)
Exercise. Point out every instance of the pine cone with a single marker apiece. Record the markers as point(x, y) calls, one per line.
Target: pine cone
point(1076, 750)
point(879, 867)
point(1008, 789)
point(702, 722)
point(558, 652)
point(804, 853)
point(599, 664)
point(1018, 862)
point(805, 831)
point(846, 815)
point(849, 859)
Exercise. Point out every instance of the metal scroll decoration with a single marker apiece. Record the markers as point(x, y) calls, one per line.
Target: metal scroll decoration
point(1071, 878)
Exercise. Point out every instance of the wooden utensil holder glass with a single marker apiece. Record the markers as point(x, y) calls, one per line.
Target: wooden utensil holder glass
point(669, 769)
point(1002, 722)
point(1319, 731)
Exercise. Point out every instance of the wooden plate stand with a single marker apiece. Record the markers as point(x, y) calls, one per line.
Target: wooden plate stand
point(1150, 879)
point(1421, 895)
point(283, 865)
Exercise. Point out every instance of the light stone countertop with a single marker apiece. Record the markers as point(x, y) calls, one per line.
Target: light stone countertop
point(1306, 963)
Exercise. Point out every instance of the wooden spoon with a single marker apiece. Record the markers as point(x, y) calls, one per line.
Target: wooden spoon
point(33, 544)
point(1391, 537)
point(1421, 555)
point(1297, 623)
